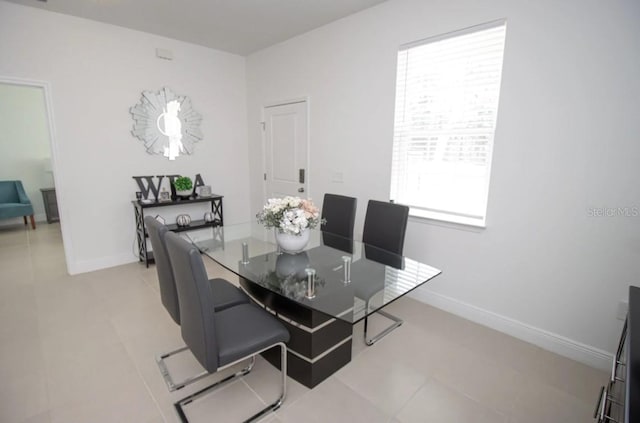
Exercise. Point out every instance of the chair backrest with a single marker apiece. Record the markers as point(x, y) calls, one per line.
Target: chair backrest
point(197, 315)
point(340, 213)
point(168, 293)
point(9, 191)
point(385, 225)
point(383, 256)
point(337, 242)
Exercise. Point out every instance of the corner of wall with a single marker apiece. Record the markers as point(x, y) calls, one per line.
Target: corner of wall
point(77, 267)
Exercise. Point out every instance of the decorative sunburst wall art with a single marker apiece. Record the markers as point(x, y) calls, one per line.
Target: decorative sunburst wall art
point(166, 123)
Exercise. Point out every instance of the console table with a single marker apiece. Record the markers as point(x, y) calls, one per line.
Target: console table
point(139, 208)
point(620, 398)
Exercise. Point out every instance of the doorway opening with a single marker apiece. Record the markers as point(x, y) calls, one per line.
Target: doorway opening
point(28, 149)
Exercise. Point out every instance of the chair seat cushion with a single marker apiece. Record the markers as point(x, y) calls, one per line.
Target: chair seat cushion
point(226, 294)
point(15, 210)
point(245, 329)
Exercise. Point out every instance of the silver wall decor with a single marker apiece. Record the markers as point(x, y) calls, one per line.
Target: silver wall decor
point(166, 123)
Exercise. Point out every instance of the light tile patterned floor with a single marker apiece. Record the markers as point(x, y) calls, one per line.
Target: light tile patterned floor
point(81, 349)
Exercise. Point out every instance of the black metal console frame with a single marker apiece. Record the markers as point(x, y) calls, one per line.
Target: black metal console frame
point(619, 400)
point(146, 256)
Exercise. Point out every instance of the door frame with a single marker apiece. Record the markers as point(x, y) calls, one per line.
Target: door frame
point(307, 101)
point(55, 154)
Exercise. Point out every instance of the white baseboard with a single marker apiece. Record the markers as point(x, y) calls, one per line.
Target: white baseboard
point(555, 343)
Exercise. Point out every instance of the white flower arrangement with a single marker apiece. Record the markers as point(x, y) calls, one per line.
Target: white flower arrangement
point(290, 215)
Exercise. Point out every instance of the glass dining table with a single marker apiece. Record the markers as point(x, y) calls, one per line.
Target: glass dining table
point(318, 294)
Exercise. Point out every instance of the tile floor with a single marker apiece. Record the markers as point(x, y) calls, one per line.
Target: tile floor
point(81, 349)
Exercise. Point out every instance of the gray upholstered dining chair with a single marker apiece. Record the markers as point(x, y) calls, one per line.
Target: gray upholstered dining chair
point(339, 211)
point(385, 225)
point(220, 339)
point(339, 215)
point(227, 295)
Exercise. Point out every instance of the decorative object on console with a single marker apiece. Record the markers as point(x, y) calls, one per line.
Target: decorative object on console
point(164, 196)
point(166, 123)
point(184, 186)
point(291, 217)
point(197, 183)
point(209, 217)
point(160, 219)
point(150, 187)
point(205, 191)
point(183, 220)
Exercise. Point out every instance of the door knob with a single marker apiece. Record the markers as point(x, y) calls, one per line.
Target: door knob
point(300, 189)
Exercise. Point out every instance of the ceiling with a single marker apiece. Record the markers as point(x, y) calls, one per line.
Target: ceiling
point(237, 26)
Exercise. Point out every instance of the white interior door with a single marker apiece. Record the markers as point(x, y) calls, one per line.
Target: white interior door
point(286, 147)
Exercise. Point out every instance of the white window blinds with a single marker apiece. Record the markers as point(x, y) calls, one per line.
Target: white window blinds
point(446, 106)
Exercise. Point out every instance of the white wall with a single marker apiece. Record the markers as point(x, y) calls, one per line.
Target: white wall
point(96, 73)
point(566, 141)
point(24, 142)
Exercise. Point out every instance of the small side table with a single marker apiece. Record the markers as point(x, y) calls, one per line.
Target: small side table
point(50, 204)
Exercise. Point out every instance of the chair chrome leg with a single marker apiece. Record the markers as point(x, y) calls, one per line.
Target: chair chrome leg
point(171, 385)
point(283, 388)
point(397, 322)
point(268, 409)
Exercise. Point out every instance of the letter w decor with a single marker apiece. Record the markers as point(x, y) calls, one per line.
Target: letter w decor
point(155, 188)
point(150, 186)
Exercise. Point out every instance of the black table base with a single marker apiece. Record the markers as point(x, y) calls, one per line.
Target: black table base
point(320, 344)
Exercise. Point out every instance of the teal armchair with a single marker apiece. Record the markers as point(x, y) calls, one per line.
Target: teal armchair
point(14, 202)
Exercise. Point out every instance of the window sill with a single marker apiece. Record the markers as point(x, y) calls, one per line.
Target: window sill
point(447, 220)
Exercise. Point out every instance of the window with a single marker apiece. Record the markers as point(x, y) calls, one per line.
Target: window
point(447, 93)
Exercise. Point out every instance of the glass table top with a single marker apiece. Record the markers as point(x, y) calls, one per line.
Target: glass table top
point(377, 277)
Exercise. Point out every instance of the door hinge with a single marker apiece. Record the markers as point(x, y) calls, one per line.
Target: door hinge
point(265, 176)
point(264, 125)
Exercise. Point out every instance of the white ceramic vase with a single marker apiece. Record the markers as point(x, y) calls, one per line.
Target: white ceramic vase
point(184, 193)
point(292, 244)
